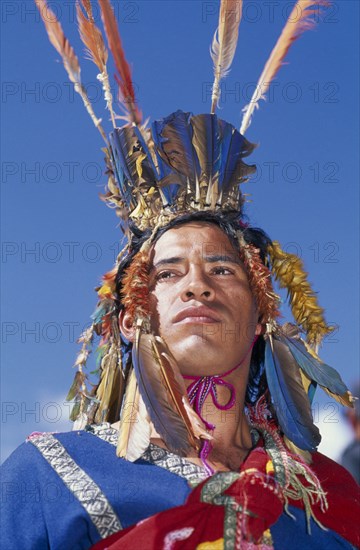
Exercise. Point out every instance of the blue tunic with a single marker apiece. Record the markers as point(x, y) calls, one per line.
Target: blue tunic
point(70, 490)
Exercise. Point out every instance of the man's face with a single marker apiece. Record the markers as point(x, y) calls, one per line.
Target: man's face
point(200, 299)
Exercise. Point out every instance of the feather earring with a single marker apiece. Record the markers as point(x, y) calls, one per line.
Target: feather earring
point(293, 370)
point(135, 425)
point(288, 396)
point(164, 393)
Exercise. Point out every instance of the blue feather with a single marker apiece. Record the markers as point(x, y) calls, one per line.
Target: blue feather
point(99, 312)
point(233, 148)
point(207, 144)
point(179, 164)
point(315, 369)
point(288, 396)
point(311, 391)
point(167, 422)
point(100, 352)
point(122, 173)
point(177, 130)
point(227, 133)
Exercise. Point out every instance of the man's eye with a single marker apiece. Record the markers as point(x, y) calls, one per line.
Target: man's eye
point(164, 275)
point(222, 271)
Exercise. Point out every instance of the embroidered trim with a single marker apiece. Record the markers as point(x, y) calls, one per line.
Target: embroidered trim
point(79, 483)
point(105, 432)
point(174, 464)
point(155, 455)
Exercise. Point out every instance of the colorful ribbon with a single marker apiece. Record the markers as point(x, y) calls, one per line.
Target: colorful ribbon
point(199, 390)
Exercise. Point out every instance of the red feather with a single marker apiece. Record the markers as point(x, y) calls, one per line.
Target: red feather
point(123, 77)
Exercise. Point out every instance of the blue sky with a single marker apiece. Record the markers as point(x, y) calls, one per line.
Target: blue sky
point(58, 238)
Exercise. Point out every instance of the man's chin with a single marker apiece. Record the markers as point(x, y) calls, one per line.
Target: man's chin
point(195, 340)
point(195, 351)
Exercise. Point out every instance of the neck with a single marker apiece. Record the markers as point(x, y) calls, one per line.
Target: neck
point(219, 401)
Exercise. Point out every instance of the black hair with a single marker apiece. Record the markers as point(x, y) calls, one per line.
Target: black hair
point(230, 222)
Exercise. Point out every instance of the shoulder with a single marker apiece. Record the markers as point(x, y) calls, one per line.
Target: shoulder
point(343, 497)
point(58, 475)
point(29, 474)
point(334, 477)
point(30, 454)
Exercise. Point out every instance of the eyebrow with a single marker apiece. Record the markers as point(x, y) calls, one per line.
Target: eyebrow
point(173, 260)
point(222, 258)
point(210, 259)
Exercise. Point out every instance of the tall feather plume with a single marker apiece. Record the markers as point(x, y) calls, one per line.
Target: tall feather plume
point(291, 402)
point(164, 395)
point(135, 426)
point(96, 50)
point(298, 22)
point(70, 61)
point(91, 35)
point(123, 75)
point(224, 44)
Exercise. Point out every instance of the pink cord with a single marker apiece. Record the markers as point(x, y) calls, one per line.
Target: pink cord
point(198, 391)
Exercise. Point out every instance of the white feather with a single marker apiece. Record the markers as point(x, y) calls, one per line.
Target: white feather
point(135, 425)
point(224, 44)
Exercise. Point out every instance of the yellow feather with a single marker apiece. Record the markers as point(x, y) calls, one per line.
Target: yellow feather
point(347, 400)
point(109, 388)
point(305, 455)
point(289, 271)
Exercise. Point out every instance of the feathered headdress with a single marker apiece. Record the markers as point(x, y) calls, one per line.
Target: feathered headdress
point(181, 164)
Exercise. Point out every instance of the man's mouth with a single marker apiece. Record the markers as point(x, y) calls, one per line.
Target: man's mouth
point(197, 314)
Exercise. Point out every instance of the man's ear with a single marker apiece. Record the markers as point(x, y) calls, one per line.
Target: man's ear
point(126, 325)
point(259, 329)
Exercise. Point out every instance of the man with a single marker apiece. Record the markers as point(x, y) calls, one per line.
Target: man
point(201, 304)
point(68, 490)
point(206, 398)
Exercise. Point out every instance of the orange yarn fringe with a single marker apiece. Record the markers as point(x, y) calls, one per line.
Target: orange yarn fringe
point(135, 292)
point(260, 282)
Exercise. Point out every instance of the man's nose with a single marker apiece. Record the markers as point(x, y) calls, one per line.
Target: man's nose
point(197, 285)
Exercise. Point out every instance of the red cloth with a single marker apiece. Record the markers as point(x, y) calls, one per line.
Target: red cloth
point(196, 522)
point(207, 520)
point(343, 495)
